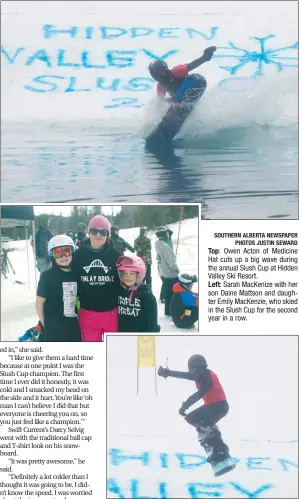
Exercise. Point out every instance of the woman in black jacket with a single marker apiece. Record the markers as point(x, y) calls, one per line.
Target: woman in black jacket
point(95, 267)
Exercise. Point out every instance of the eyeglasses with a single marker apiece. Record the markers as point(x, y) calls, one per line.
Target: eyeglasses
point(62, 251)
point(124, 260)
point(101, 232)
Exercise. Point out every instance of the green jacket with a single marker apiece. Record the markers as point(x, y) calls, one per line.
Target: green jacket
point(143, 249)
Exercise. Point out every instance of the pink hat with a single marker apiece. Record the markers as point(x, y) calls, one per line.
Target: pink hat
point(99, 222)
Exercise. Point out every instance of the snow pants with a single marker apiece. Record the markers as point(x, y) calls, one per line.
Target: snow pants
point(204, 419)
point(168, 284)
point(93, 325)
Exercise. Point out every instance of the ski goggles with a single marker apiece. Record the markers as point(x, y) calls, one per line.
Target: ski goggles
point(101, 232)
point(66, 251)
point(126, 261)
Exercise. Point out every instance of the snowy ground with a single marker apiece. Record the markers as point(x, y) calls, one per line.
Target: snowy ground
point(153, 452)
point(18, 300)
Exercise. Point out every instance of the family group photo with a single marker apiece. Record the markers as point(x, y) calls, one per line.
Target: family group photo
point(74, 273)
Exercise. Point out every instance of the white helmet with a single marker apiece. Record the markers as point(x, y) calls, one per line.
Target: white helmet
point(60, 240)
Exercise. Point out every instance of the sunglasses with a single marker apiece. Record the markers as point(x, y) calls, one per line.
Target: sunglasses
point(62, 251)
point(124, 260)
point(101, 232)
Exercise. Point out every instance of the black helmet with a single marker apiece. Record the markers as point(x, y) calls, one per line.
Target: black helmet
point(186, 280)
point(157, 68)
point(162, 232)
point(114, 228)
point(143, 230)
point(197, 362)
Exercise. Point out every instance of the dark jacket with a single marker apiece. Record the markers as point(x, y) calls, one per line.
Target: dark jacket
point(143, 249)
point(42, 238)
point(82, 239)
point(120, 245)
point(140, 314)
point(97, 277)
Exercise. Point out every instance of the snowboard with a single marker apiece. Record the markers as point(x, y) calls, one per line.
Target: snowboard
point(182, 105)
point(222, 467)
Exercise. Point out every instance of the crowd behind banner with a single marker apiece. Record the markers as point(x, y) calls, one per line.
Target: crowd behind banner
point(89, 287)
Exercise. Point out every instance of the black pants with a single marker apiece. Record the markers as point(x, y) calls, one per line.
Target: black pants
point(148, 275)
point(205, 417)
point(208, 414)
point(162, 291)
point(61, 329)
point(168, 284)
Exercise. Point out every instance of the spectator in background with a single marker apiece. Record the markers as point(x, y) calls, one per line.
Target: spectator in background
point(168, 241)
point(42, 238)
point(167, 267)
point(143, 247)
point(118, 243)
point(82, 237)
point(71, 234)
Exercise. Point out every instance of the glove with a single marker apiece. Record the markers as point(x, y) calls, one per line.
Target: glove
point(183, 409)
point(163, 371)
point(208, 53)
point(40, 326)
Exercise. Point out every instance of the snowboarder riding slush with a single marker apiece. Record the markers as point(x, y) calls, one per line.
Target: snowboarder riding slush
point(170, 80)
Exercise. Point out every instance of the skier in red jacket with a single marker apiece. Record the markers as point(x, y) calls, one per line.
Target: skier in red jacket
point(215, 407)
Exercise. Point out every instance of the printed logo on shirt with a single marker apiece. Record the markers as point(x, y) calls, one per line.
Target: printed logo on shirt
point(99, 280)
point(69, 298)
point(97, 263)
point(128, 307)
